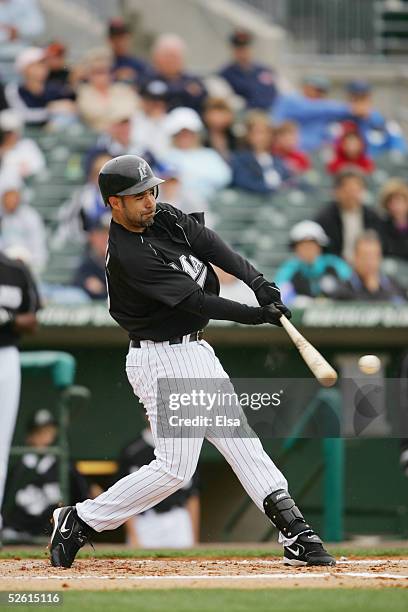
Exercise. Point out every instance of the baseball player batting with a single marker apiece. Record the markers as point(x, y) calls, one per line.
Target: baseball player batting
point(163, 291)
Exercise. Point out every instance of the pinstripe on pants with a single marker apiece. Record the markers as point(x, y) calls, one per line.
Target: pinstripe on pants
point(176, 458)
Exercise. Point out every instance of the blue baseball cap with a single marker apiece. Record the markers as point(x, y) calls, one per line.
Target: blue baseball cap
point(358, 87)
point(317, 81)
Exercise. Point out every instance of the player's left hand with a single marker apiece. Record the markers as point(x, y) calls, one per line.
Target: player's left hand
point(268, 293)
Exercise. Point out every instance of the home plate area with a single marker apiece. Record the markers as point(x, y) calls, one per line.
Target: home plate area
point(112, 574)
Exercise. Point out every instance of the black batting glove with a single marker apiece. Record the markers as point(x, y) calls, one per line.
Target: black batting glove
point(271, 314)
point(268, 293)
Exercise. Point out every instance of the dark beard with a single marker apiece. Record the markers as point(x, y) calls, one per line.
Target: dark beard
point(147, 223)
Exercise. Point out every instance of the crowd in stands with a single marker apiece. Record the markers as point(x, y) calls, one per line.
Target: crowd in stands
point(238, 129)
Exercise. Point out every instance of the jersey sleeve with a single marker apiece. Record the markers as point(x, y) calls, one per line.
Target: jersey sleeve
point(149, 274)
point(31, 300)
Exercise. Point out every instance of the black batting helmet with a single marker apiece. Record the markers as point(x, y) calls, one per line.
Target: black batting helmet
point(126, 175)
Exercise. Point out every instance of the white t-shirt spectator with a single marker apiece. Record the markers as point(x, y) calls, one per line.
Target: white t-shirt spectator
point(200, 170)
point(149, 134)
point(25, 228)
point(26, 157)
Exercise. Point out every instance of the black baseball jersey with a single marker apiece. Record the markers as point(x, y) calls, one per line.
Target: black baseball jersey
point(18, 294)
point(34, 492)
point(149, 273)
point(153, 274)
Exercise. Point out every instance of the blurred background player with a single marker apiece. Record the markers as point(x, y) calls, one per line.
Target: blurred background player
point(33, 485)
point(19, 303)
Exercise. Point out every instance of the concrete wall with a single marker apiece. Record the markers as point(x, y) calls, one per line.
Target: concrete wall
point(205, 26)
point(73, 25)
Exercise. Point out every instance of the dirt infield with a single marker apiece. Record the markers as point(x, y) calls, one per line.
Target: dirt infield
point(113, 574)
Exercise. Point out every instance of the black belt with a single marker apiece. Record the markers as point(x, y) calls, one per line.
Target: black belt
point(176, 340)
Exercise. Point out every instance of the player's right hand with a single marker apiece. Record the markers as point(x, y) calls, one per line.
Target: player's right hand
point(272, 314)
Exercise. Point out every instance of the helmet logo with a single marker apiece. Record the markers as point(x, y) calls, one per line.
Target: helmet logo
point(143, 172)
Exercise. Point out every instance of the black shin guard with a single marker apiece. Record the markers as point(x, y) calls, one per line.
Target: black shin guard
point(285, 515)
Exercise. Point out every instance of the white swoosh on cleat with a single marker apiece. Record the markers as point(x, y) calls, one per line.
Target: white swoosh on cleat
point(295, 552)
point(63, 528)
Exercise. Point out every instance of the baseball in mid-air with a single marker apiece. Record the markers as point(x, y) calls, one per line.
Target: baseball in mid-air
point(369, 364)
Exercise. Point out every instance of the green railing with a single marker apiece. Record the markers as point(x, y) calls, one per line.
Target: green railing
point(61, 367)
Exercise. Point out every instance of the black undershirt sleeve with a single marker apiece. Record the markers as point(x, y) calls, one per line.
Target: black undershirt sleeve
point(210, 247)
point(214, 307)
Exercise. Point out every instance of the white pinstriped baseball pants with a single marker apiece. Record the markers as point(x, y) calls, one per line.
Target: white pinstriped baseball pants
point(10, 381)
point(176, 458)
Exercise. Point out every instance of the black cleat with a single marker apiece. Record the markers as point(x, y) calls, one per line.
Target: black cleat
point(307, 550)
point(68, 536)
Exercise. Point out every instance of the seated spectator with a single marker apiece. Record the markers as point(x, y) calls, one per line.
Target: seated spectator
point(218, 119)
point(201, 171)
point(21, 225)
point(100, 99)
point(312, 112)
point(90, 275)
point(36, 101)
point(286, 146)
point(148, 131)
point(3, 101)
point(350, 151)
point(126, 67)
point(172, 523)
point(21, 21)
point(22, 153)
point(59, 75)
point(394, 202)
point(172, 192)
point(255, 169)
point(168, 58)
point(116, 140)
point(367, 282)
point(310, 273)
point(381, 136)
point(346, 217)
point(34, 486)
point(253, 81)
point(83, 209)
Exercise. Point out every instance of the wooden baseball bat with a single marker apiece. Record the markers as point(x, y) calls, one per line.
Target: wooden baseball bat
point(323, 371)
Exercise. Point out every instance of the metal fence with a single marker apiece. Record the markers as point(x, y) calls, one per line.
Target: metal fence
point(330, 27)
